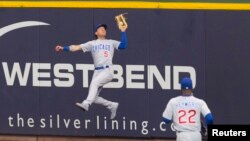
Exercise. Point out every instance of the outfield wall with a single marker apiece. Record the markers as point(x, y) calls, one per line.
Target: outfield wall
point(39, 87)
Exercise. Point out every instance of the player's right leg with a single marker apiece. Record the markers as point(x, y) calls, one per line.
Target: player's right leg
point(100, 78)
point(86, 104)
point(106, 76)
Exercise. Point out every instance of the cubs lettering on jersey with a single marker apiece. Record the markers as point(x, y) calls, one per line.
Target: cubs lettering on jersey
point(102, 51)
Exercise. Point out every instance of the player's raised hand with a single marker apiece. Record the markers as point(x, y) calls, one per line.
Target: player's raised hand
point(58, 48)
point(123, 28)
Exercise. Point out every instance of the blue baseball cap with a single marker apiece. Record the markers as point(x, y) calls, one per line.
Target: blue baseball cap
point(100, 25)
point(186, 83)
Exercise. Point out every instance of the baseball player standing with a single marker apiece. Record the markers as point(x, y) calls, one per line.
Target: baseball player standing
point(102, 51)
point(184, 112)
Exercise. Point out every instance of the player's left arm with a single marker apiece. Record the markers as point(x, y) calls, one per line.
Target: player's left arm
point(123, 44)
point(209, 118)
point(207, 114)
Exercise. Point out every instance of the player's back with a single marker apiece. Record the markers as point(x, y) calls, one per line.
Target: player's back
point(186, 113)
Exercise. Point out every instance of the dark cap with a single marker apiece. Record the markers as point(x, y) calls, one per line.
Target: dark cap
point(100, 25)
point(186, 83)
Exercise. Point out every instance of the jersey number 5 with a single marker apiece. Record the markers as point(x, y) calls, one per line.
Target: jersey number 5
point(106, 53)
point(186, 116)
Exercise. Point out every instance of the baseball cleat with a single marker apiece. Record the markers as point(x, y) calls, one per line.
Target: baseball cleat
point(83, 105)
point(113, 110)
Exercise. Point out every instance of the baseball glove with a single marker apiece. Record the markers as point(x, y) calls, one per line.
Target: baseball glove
point(121, 21)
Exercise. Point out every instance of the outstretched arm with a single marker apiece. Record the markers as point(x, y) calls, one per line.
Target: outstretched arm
point(123, 44)
point(122, 25)
point(71, 48)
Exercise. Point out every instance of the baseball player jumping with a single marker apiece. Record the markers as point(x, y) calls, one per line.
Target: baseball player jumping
point(184, 112)
point(102, 51)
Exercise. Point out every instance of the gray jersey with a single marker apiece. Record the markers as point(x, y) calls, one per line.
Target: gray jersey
point(102, 50)
point(185, 112)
